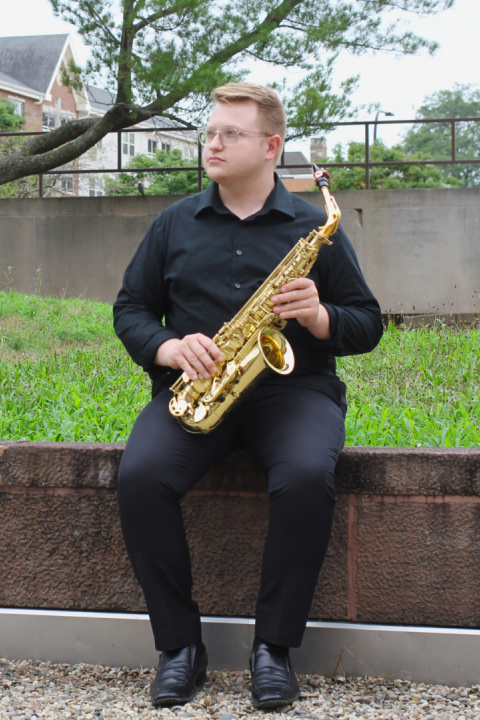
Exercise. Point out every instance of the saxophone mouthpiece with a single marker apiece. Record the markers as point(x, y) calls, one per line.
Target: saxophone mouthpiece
point(320, 175)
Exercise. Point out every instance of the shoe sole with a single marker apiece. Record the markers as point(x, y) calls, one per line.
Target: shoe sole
point(269, 704)
point(166, 701)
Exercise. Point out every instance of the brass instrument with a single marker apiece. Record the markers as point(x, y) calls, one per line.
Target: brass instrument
point(251, 342)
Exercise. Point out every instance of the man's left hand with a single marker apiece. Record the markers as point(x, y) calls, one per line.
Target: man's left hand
point(299, 299)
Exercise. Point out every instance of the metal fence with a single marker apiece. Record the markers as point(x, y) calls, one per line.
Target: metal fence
point(367, 164)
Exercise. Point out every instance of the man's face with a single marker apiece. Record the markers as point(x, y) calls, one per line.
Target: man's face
point(246, 158)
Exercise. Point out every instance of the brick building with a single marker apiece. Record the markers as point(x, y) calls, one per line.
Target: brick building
point(30, 69)
point(30, 77)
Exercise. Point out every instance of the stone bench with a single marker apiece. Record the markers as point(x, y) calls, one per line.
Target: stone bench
point(405, 546)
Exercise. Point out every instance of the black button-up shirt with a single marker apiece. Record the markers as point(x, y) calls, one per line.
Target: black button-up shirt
point(199, 264)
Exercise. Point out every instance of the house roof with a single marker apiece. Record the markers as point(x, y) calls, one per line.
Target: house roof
point(31, 60)
point(101, 99)
point(293, 159)
point(9, 80)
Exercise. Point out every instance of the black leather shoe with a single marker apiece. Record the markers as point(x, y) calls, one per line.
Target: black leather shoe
point(179, 671)
point(273, 681)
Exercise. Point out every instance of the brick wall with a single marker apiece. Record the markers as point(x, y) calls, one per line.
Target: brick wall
point(32, 110)
point(405, 545)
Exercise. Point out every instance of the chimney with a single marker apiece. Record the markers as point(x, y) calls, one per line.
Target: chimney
point(318, 148)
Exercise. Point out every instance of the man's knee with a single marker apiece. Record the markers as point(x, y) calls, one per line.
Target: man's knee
point(142, 477)
point(306, 479)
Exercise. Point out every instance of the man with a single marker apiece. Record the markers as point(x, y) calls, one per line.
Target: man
point(199, 263)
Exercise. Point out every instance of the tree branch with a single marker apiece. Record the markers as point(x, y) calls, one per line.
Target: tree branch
point(153, 18)
point(124, 73)
point(52, 150)
point(271, 22)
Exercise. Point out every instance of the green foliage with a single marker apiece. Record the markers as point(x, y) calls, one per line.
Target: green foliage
point(389, 177)
point(64, 376)
point(63, 373)
point(171, 55)
point(162, 58)
point(156, 183)
point(419, 387)
point(433, 140)
point(9, 120)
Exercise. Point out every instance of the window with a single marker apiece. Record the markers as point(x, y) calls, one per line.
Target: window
point(129, 144)
point(152, 146)
point(18, 106)
point(67, 183)
point(166, 146)
point(48, 122)
point(95, 186)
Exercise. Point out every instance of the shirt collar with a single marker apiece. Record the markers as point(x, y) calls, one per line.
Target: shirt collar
point(279, 200)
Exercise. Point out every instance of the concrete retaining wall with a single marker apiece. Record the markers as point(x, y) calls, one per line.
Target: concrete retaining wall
point(405, 547)
point(419, 249)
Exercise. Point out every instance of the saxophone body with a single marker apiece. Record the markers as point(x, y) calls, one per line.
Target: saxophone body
point(252, 343)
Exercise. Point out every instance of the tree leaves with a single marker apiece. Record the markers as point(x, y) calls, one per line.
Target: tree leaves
point(434, 139)
point(166, 56)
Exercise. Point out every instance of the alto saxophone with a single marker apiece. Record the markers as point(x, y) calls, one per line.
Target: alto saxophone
point(251, 342)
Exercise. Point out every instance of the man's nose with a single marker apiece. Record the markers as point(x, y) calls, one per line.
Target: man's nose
point(216, 141)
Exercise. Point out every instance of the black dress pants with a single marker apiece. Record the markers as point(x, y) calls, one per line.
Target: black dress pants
point(295, 434)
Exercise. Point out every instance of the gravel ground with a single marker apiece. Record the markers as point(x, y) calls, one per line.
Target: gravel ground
point(31, 690)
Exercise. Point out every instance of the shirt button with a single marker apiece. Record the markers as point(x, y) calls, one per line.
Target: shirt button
point(239, 252)
point(238, 286)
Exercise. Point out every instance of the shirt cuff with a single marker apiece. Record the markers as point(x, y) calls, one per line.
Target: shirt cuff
point(334, 342)
point(150, 348)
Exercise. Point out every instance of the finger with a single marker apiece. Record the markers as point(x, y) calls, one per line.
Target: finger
point(210, 347)
point(297, 283)
point(288, 307)
point(203, 357)
point(202, 354)
point(196, 362)
point(304, 313)
point(184, 365)
point(294, 296)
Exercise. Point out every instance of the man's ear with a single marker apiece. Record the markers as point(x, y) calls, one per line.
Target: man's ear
point(274, 143)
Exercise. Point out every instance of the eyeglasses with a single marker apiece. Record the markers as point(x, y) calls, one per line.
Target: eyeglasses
point(227, 135)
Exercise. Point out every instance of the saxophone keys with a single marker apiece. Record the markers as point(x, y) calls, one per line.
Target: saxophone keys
point(178, 408)
point(201, 385)
point(200, 413)
point(249, 329)
point(228, 351)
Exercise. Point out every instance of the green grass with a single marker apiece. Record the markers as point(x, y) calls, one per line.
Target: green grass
point(64, 376)
point(420, 387)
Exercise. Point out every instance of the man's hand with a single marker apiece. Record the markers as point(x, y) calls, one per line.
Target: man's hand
point(299, 299)
point(195, 355)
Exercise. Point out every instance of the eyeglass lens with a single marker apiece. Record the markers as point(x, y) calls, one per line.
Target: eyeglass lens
point(227, 135)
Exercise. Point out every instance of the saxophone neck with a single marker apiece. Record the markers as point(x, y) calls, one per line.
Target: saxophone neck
point(333, 211)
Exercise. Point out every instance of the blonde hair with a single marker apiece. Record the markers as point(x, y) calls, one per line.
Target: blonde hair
point(270, 108)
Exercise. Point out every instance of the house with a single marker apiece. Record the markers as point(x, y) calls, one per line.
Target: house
point(160, 134)
point(30, 77)
point(295, 177)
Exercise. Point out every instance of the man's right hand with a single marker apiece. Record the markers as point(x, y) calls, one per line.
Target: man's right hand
point(195, 355)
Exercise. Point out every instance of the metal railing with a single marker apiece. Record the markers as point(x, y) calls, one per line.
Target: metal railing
point(367, 164)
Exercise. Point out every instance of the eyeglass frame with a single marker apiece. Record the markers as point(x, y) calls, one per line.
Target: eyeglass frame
point(238, 131)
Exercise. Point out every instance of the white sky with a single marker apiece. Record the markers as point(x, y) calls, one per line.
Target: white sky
point(399, 84)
